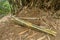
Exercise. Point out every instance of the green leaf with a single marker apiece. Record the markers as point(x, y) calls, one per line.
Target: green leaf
point(4, 8)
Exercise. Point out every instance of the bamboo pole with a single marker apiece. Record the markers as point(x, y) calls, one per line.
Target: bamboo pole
point(23, 22)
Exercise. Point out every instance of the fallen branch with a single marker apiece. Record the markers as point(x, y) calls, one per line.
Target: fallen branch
point(23, 22)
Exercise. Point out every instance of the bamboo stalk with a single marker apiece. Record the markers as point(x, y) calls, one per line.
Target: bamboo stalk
point(23, 22)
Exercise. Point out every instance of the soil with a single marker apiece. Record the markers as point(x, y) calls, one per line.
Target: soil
point(12, 31)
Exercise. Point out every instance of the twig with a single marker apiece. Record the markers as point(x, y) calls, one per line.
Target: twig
point(41, 38)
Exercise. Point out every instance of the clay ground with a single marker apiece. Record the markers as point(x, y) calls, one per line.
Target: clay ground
point(12, 31)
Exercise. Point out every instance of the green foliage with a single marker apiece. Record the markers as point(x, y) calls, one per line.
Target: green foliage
point(4, 8)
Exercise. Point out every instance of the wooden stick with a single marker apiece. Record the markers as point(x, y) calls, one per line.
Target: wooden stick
point(23, 22)
point(34, 18)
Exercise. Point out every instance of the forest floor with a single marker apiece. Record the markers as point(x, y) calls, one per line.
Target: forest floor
point(12, 31)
